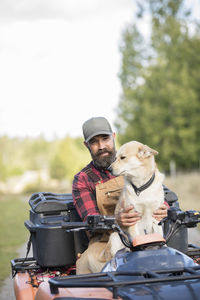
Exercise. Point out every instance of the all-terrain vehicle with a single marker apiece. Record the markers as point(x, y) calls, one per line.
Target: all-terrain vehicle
point(151, 270)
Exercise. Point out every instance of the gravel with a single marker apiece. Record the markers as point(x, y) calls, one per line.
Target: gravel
point(7, 291)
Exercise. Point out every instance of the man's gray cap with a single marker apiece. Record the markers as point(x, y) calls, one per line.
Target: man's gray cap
point(96, 126)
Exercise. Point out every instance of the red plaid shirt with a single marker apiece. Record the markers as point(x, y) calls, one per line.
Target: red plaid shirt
point(84, 191)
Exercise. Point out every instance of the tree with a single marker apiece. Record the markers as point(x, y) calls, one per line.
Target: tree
point(69, 158)
point(160, 104)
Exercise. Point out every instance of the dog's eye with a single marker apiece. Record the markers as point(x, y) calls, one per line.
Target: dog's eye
point(122, 157)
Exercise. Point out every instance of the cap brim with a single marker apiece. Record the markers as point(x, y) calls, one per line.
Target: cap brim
point(97, 133)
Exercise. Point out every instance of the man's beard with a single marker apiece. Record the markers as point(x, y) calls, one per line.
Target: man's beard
point(104, 161)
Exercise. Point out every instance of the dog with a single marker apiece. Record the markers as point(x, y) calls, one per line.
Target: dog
point(142, 189)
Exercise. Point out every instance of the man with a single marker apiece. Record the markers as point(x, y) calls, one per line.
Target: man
point(100, 141)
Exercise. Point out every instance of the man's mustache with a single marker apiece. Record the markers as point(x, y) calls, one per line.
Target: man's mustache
point(103, 151)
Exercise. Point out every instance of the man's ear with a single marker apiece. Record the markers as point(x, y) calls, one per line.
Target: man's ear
point(145, 151)
point(86, 145)
point(114, 135)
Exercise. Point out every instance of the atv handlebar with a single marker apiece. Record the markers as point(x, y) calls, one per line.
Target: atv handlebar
point(175, 217)
point(189, 218)
point(99, 223)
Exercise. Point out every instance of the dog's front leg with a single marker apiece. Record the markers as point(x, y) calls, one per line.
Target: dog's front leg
point(114, 244)
point(133, 231)
point(157, 228)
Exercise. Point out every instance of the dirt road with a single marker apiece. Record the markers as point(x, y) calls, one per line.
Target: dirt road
point(7, 290)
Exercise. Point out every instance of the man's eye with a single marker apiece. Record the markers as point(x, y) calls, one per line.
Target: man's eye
point(92, 142)
point(106, 138)
point(122, 157)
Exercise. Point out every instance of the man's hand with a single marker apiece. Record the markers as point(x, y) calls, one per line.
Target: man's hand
point(160, 213)
point(127, 217)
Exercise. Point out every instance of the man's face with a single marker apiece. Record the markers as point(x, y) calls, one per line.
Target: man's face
point(102, 150)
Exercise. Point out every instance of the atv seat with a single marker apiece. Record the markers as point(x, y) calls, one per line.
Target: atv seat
point(147, 240)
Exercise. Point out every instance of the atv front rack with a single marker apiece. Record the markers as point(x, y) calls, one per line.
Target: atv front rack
point(194, 252)
point(117, 280)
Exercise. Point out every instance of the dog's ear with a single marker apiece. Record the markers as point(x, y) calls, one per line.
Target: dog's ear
point(146, 151)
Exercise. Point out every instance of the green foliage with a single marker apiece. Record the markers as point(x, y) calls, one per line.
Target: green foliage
point(39, 150)
point(160, 104)
point(60, 158)
point(18, 155)
point(2, 168)
point(70, 157)
point(9, 158)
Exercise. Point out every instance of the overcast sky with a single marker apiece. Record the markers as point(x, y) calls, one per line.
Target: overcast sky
point(59, 63)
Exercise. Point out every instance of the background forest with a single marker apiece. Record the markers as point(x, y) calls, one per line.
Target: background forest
point(28, 165)
point(160, 77)
point(159, 104)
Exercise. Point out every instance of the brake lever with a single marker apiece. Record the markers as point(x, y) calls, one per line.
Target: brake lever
point(163, 221)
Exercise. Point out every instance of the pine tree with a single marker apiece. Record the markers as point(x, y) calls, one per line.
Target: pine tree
point(160, 104)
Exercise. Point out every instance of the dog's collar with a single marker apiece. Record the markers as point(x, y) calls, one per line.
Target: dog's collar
point(143, 187)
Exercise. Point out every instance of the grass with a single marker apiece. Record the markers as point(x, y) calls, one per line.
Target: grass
point(14, 211)
point(187, 187)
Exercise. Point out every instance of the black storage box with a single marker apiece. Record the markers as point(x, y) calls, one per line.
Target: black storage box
point(52, 245)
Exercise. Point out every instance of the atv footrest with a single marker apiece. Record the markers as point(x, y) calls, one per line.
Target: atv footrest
point(24, 264)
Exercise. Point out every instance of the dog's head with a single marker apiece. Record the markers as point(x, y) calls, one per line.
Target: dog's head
point(132, 158)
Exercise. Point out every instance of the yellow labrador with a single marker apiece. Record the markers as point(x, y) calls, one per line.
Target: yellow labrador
point(143, 189)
